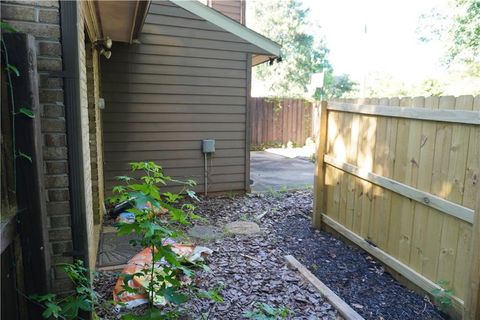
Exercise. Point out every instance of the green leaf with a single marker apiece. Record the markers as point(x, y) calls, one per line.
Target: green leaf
point(124, 229)
point(51, 310)
point(42, 298)
point(192, 195)
point(213, 294)
point(269, 310)
point(124, 178)
point(24, 156)
point(437, 292)
point(150, 314)
point(71, 307)
point(12, 68)
point(27, 112)
point(175, 297)
point(6, 27)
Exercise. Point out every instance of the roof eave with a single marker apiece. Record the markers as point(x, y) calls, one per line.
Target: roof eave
point(120, 21)
point(266, 46)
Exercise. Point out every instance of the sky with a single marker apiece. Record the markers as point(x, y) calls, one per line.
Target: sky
point(390, 43)
point(368, 38)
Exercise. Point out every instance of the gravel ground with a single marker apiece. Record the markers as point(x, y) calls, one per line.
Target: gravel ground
point(252, 268)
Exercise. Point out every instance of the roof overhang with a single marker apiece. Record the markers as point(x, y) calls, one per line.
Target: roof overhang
point(265, 48)
point(118, 20)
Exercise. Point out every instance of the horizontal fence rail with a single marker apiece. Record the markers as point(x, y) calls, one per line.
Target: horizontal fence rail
point(399, 177)
point(280, 121)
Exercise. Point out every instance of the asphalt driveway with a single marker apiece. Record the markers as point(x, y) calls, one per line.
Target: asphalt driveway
point(271, 171)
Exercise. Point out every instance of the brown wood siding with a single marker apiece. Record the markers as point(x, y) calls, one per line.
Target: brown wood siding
point(186, 81)
point(234, 9)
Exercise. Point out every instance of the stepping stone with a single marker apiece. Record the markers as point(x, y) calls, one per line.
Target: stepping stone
point(205, 232)
point(242, 227)
point(116, 250)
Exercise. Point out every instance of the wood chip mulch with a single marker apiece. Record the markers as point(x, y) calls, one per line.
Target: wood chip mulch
point(252, 268)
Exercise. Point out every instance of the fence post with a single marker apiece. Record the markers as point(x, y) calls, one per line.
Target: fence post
point(472, 301)
point(319, 182)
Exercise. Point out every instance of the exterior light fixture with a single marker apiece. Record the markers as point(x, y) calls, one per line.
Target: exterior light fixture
point(103, 46)
point(106, 53)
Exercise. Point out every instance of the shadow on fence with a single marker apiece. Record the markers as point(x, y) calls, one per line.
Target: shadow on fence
point(399, 177)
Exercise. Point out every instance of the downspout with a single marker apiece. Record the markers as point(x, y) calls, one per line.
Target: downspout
point(71, 89)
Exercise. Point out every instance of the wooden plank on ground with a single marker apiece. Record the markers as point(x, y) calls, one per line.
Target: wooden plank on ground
point(342, 307)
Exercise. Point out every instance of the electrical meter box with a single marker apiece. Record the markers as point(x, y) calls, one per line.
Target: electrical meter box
point(208, 146)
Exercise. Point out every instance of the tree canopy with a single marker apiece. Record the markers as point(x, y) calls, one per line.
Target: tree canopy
point(304, 50)
point(459, 28)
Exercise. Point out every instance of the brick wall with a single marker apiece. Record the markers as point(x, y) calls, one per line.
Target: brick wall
point(42, 20)
point(91, 234)
point(96, 145)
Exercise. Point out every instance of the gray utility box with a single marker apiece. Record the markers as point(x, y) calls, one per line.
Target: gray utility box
point(208, 146)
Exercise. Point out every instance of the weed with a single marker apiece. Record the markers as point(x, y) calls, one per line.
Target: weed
point(213, 294)
point(443, 295)
point(157, 217)
point(265, 311)
point(83, 299)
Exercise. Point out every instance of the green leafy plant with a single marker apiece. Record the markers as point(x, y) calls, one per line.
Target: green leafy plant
point(11, 70)
point(443, 295)
point(69, 307)
point(213, 294)
point(265, 311)
point(158, 216)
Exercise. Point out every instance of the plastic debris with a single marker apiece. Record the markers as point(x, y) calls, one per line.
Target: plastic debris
point(126, 217)
point(142, 261)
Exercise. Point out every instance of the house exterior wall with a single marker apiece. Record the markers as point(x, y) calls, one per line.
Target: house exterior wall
point(185, 81)
point(234, 9)
point(42, 20)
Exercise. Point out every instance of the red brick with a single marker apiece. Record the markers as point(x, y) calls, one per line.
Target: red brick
point(60, 234)
point(49, 48)
point(59, 195)
point(55, 153)
point(56, 181)
point(53, 125)
point(49, 64)
point(43, 31)
point(47, 82)
point(49, 16)
point(36, 3)
point(51, 96)
point(55, 140)
point(56, 167)
point(53, 111)
point(21, 13)
point(58, 208)
point(59, 248)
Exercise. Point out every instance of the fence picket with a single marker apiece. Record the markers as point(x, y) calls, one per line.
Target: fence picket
point(432, 157)
point(281, 121)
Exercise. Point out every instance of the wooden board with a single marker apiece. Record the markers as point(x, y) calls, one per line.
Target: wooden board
point(407, 181)
point(342, 307)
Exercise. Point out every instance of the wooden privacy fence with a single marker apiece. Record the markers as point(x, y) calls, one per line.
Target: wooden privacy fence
point(400, 178)
point(280, 121)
